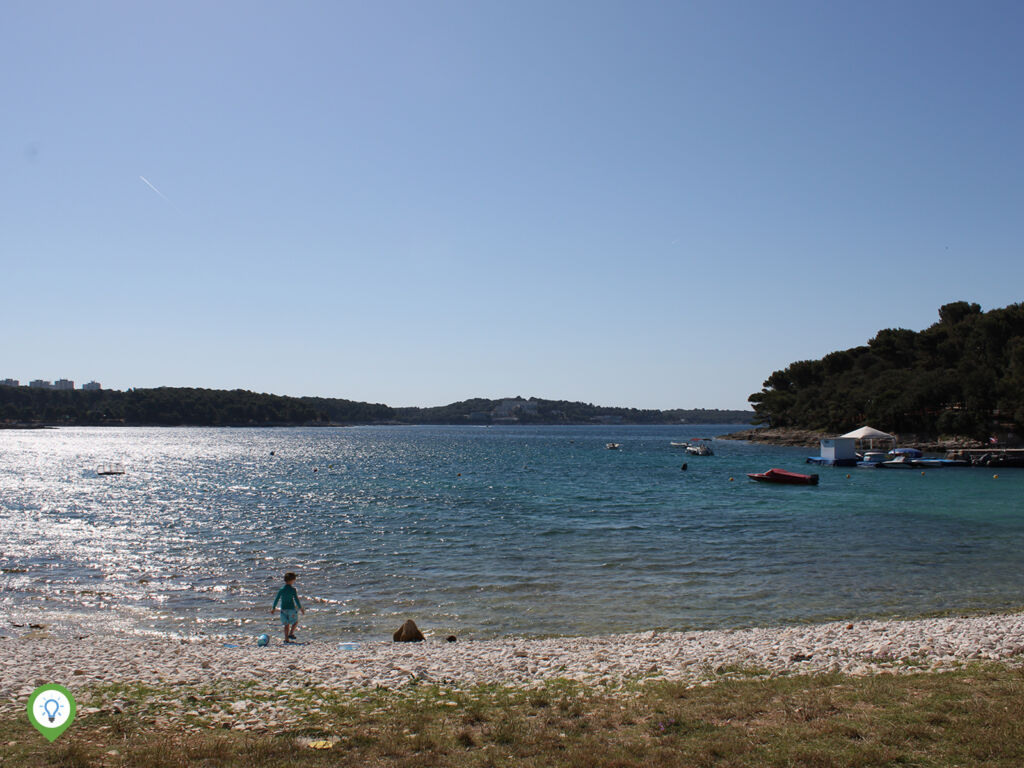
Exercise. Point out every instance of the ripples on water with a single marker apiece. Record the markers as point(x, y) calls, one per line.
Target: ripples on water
point(483, 531)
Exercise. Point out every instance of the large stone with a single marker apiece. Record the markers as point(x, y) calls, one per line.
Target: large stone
point(408, 633)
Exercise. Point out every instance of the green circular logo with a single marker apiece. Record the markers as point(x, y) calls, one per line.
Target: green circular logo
point(51, 708)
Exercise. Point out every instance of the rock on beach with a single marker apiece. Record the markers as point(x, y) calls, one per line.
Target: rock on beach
point(408, 633)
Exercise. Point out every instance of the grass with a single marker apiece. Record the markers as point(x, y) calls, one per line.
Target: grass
point(972, 716)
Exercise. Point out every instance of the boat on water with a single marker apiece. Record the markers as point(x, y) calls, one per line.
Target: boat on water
point(907, 458)
point(900, 462)
point(698, 446)
point(901, 458)
point(613, 446)
point(940, 463)
point(871, 459)
point(110, 469)
point(783, 477)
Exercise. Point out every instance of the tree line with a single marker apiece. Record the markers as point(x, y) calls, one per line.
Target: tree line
point(180, 406)
point(964, 375)
point(177, 406)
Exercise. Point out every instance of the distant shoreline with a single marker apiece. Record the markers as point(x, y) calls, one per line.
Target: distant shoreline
point(342, 425)
point(189, 406)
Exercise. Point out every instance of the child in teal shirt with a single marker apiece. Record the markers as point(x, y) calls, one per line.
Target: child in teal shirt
point(289, 599)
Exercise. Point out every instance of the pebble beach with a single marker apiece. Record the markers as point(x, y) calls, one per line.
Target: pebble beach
point(266, 674)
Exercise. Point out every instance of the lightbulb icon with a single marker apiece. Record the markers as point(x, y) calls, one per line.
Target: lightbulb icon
point(52, 708)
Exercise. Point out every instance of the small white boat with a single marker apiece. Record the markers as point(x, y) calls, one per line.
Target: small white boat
point(110, 469)
point(900, 462)
point(613, 446)
point(698, 447)
point(872, 459)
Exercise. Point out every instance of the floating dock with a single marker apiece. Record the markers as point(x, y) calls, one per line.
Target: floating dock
point(990, 457)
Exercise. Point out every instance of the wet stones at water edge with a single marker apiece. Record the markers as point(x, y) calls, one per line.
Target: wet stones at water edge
point(408, 633)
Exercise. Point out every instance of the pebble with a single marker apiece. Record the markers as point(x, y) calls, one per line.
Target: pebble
point(865, 648)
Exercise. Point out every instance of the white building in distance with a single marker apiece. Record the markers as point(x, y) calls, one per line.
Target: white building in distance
point(9, 383)
point(40, 384)
point(92, 385)
point(64, 384)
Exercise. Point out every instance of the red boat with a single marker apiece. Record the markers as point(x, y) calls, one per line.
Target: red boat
point(784, 477)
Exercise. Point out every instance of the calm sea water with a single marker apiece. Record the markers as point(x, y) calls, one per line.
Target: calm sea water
point(483, 532)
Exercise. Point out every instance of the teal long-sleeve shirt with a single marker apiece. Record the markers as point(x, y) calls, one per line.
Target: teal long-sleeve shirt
point(289, 598)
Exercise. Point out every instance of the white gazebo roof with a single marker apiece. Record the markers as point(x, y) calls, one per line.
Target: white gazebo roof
point(868, 433)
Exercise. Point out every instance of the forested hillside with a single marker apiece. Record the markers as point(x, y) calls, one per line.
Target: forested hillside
point(540, 411)
point(962, 376)
point(177, 406)
point(173, 406)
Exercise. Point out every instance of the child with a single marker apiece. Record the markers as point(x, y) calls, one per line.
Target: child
point(289, 599)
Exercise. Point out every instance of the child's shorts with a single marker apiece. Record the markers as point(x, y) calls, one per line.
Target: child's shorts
point(289, 616)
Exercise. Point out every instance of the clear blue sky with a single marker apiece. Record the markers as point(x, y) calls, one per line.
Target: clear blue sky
point(630, 203)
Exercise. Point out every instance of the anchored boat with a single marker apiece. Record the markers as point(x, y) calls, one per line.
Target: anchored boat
point(698, 447)
point(783, 477)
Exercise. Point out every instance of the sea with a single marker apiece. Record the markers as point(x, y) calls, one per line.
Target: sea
point(482, 532)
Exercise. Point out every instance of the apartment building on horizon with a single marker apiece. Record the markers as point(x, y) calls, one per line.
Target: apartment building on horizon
point(60, 384)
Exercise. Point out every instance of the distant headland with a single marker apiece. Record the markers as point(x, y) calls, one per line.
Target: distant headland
point(26, 407)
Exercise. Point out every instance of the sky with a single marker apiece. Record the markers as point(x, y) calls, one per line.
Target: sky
point(647, 204)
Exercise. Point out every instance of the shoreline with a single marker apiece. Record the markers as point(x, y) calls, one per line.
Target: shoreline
point(845, 647)
point(811, 438)
point(392, 423)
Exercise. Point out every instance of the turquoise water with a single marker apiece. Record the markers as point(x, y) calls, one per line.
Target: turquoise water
point(484, 531)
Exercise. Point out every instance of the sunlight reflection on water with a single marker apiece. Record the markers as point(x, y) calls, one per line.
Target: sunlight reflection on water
point(483, 532)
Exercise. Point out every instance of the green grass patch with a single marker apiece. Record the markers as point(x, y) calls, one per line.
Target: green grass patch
point(973, 716)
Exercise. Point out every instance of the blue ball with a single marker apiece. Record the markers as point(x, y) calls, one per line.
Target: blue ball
point(262, 640)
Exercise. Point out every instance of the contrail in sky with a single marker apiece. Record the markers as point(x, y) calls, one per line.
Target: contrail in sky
point(148, 184)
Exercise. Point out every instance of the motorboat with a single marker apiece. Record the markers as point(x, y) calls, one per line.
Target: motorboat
point(910, 453)
point(940, 463)
point(900, 462)
point(699, 447)
point(871, 459)
point(613, 446)
point(783, 477)
point(901, 458)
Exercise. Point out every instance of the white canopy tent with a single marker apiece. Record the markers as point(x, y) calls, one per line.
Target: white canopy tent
point(870, 434)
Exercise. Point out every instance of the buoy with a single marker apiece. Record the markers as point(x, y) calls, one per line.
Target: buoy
point(995, 477)
point(315, 469)
point(683, 468)
point(263, 640)
point(922, 473)
point(730, 479)
point(459, 475)
point(271, 453)
point(847, 475)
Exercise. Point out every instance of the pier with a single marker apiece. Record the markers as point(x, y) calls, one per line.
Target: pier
point(990, 457)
